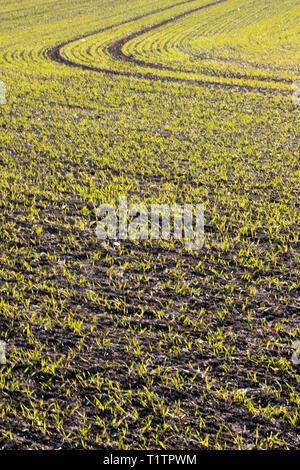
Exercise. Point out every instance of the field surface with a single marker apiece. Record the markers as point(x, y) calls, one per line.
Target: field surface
point(144, 344)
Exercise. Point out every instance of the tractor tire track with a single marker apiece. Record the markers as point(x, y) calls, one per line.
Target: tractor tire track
point(115, 50)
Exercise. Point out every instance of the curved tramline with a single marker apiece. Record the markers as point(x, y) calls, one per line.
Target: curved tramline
point(185, 47)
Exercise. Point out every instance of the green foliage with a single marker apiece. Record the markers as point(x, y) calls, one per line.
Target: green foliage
point(144, 344)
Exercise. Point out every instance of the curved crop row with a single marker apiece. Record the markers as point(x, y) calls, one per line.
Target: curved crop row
point(192, 46)
point(229, 43)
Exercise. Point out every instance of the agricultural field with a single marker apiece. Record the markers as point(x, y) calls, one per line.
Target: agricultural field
point(145, 344)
